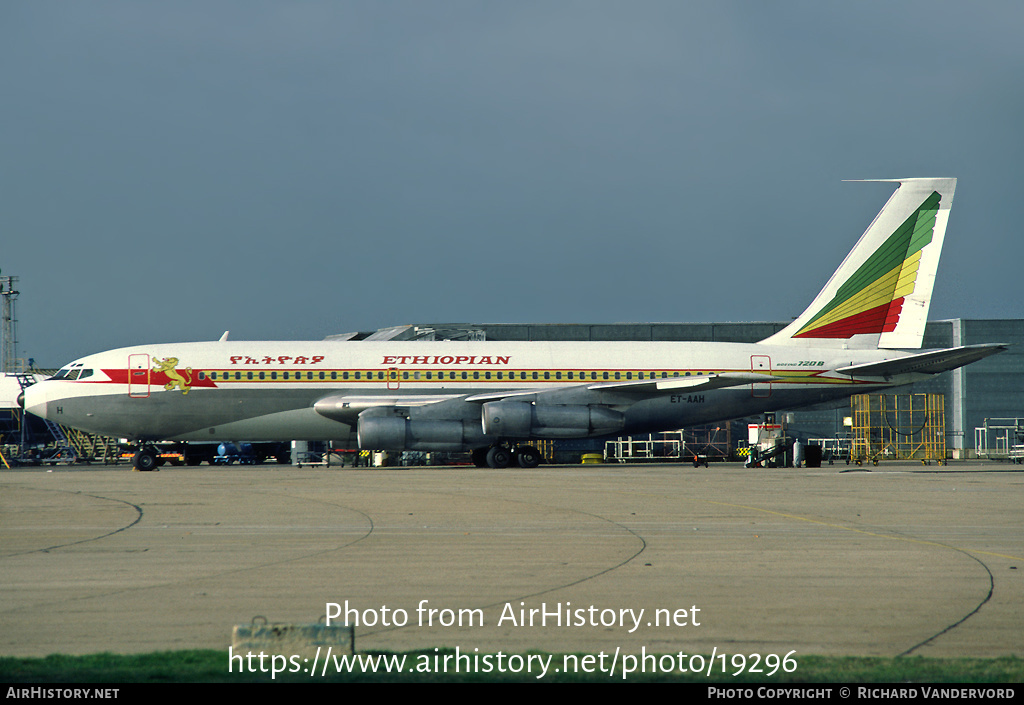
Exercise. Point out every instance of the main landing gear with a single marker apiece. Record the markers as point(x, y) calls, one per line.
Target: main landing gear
point(502, 456)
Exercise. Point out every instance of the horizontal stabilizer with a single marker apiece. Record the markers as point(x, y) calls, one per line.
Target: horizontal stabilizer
point(932, 362)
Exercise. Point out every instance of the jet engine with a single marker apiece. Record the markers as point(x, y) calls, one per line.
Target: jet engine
point(517, 419)
point(399, 433)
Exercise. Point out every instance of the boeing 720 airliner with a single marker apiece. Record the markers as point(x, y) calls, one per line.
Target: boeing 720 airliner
point(862, 333)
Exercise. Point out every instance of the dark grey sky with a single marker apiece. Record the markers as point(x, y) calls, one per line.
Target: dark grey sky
point(288, 170)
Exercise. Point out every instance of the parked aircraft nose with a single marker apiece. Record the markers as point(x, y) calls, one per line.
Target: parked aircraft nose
point(33, 400)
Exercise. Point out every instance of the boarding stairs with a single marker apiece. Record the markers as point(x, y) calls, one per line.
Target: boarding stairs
point(92, 448)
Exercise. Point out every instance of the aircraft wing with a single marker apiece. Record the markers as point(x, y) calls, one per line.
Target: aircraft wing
point(693, 383)
point(648, 386)
point(931, 362)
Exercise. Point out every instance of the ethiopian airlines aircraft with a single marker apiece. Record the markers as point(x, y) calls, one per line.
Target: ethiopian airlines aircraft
point(863, 332)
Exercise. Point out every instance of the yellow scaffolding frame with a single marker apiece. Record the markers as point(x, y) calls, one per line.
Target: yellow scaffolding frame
point(898, 427)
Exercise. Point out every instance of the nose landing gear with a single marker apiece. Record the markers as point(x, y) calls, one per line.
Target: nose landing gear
point(146, 459)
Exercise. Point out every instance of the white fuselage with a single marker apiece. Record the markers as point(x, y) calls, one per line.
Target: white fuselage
point(267, 390)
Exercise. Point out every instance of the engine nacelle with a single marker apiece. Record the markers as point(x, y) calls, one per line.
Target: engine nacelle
point(517, 419)
point(397, 433)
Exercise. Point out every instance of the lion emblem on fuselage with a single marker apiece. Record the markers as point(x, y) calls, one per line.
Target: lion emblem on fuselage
point(174, 378)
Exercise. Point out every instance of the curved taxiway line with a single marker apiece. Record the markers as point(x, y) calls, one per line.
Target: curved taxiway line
point(98, 537)
point(546, 590)
point(971, 609)
point(853, 564)
point(217, 572)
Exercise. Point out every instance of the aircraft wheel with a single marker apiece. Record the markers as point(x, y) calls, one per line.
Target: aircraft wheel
point(498, 457)
point(528, 457)
point(480, 457)
point(145, 460)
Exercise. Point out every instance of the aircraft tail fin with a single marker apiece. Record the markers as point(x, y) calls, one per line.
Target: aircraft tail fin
point(879, 296)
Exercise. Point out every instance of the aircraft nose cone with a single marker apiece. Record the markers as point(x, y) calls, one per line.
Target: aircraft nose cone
point(33, 400)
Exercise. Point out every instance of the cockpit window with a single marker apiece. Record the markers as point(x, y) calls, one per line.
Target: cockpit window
point(85, 373)
point(73, 371)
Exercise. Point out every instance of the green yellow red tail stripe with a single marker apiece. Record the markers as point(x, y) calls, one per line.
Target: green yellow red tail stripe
point(871, 300)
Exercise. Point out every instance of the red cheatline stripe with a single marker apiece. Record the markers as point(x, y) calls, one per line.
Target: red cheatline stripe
point(159, 378)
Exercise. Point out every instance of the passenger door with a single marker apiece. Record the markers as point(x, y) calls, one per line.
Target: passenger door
point(139, 374)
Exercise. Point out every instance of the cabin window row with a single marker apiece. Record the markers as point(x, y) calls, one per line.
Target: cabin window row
point(395, 375)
